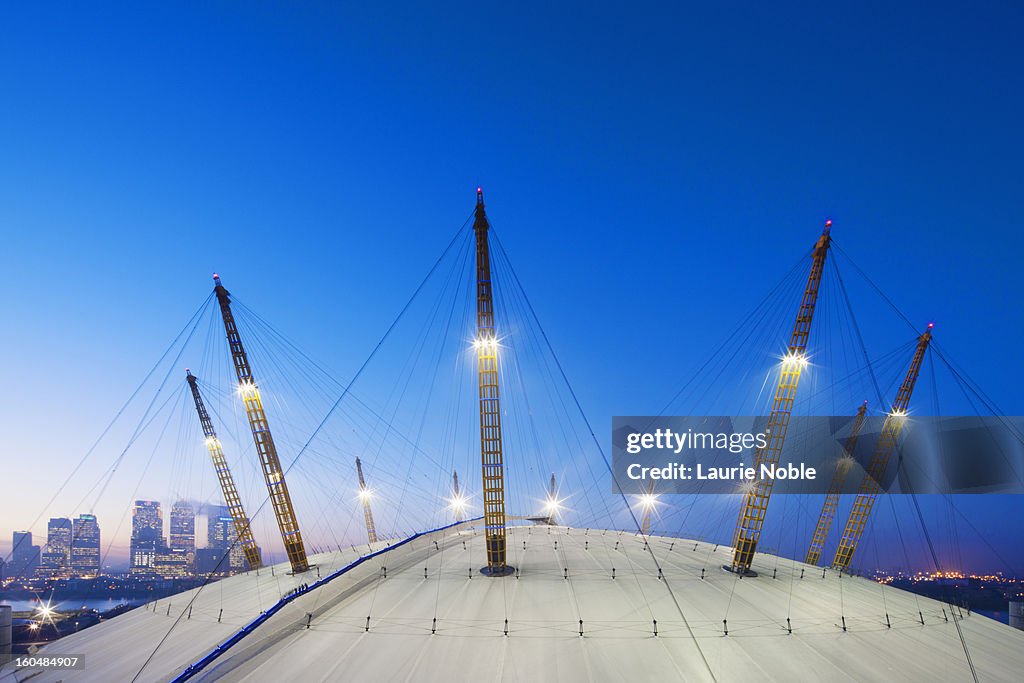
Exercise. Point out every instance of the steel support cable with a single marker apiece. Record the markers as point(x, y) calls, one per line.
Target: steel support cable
point(145, 470)
point(117, 415)
point(380, 343)
point(511, 377)
point(878, 560)
point(951, 519)
point(534, 338)
point(745, 324)
point(139, 428)
point(316, 431)
point(265, 356)
point(525, 299)
point(809, 398)
point(880, 364)
point(896, 522)
point(507, 303)
point(353, 397)
point(604, 457)
point(287, 343)
point(104, 555)
point(263, 347)
point(446, 441)
point(771, 308)
point(935, 560)
point(211, 394)
point(773, 302)
point(769, 311)
point(499, 304)
point(533, 345)
point(515, 311)
point(953, 528)
point(450, 435)
point(275, 397)
point(843, 290)
point(877, 289)
point(1010, 427)
point(144, 424)
point(798, 534)
point(441, 478)
point(967, 383)
point(433, 376)
point(448, 438)
point(900, 459)
point(393, 404)
point(874, 380)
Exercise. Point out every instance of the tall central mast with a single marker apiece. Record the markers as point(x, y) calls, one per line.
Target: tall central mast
point(227, 482)
point(755, 504)
point(486, 345)
point(264, 440)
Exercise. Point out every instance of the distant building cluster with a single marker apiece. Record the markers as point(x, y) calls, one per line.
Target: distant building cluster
point(153, 555)
point(72, 549)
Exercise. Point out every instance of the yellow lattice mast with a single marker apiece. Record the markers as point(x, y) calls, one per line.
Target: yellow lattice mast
point(364, 496)
point(273, 475)
point(755, 503)
point(887, 440)
point(227, 482)
point(491, 455)
point(828, 509)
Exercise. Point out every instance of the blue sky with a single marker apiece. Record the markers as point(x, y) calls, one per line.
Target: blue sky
point(652, 172)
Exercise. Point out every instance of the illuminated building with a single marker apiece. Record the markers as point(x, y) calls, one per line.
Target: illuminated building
point(24, 556)
point(85, 546)
point(183, 527)
point(220, 534)
point(57, 555)
point(147, 534)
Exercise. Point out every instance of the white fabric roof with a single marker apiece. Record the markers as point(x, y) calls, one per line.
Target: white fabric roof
point(543, 609)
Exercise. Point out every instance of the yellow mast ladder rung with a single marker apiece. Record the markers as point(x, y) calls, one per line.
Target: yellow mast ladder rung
point(227, 483)
point(491, 455)
point(273, 474)
point(755, 504)
point(887, 441)
point(828, 509)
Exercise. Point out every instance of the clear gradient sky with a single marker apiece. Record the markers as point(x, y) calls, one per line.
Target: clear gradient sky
point(649, 159)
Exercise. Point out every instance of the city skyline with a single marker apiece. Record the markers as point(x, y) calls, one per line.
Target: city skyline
point(54, 554)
